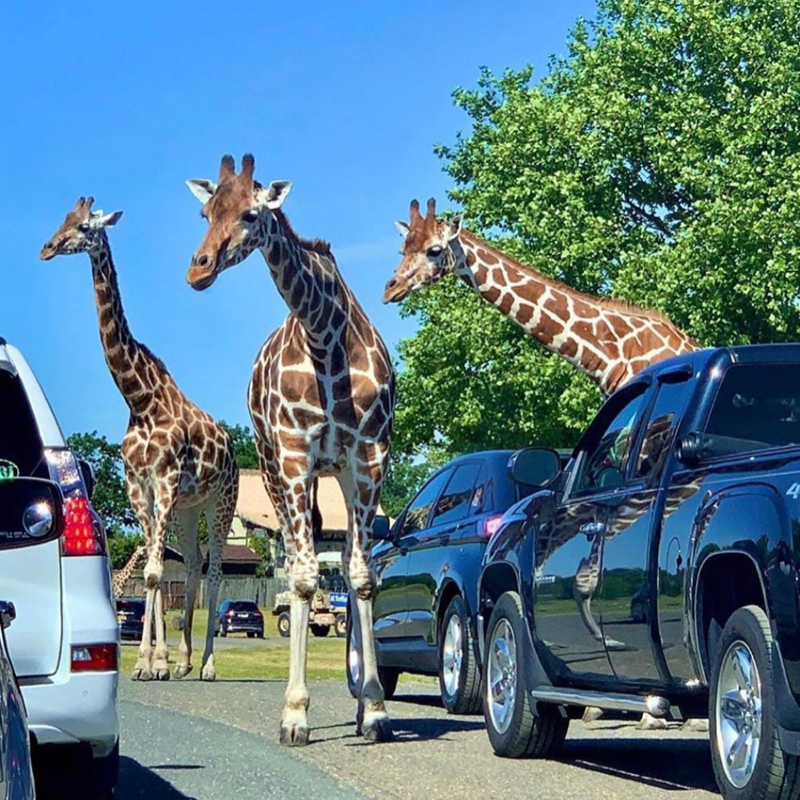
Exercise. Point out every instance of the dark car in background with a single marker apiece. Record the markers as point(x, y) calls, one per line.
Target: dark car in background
point(426, 601)
point(130, 615)
point(240, 616)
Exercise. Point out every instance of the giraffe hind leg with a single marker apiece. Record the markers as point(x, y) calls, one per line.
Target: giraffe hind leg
point(185, 523)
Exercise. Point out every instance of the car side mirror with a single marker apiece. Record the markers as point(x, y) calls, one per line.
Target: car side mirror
point(535, 466)
point(8, 613)
point(31, 512)
point(88, 476)
point(381, 529)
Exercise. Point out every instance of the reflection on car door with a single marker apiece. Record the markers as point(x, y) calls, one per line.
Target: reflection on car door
point(429, 554)
point(569, 544)
point(390, 609)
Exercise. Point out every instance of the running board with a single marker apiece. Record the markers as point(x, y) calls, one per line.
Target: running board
point(650, 704)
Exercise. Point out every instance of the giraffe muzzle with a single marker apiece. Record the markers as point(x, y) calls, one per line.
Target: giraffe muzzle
point(395, 291)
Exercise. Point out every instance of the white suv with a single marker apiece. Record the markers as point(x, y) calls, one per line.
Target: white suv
point(65, 641)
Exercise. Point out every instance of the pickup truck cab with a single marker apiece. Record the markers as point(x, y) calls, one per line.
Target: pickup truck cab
point(658, 572)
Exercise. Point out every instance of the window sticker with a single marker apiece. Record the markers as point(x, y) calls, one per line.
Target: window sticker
point(8, 470)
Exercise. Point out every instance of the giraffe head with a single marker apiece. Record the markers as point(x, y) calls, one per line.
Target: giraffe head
point(80, 231)
point(239, 212)
point(428, 252)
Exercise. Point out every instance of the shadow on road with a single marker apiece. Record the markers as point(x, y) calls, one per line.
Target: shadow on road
point(137, 782)
point(677, 764)
point(432, 700)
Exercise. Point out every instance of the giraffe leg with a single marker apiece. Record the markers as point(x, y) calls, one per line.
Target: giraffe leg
point(303, 582)
point(143, 669)
point(185, 521)
point(142, 503)
point(219, 516)
point(372, 719)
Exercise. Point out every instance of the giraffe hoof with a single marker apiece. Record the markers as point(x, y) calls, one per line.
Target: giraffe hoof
point(141, 675)
point(378, 730)
point(592, 714)
point(294, 735)
point(650, 723)
point(695, 725)
point(161, 674)
point(181, 671)
point(208, 675)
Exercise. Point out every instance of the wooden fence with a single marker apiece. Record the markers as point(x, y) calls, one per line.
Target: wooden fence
point(260, 590)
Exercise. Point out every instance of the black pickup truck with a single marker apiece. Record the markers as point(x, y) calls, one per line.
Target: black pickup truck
point(658, 572)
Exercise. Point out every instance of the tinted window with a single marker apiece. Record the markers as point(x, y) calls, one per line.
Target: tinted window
point(244, 605)
point(602, 467)
point(758, 405)
point(19, 436)
point(660, 432)
point(416, 516)
point(455, 502)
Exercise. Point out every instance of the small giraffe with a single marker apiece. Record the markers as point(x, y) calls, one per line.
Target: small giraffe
point(609, 340)
point(178, 462)
point(321, 398)
point(122, 576)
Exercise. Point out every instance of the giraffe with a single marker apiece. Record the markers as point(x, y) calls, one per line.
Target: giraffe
point(122, 576)
point(609, 340)
point(178, 461)
point(321, 398)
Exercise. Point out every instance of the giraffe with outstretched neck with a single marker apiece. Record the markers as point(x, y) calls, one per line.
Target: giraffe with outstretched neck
point(122, 576)
point(178, 461)
point(321, 398)
point(609, 340)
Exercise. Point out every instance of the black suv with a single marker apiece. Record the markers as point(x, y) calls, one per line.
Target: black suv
point(426, 601)
point(659, 571)
point(240, 616)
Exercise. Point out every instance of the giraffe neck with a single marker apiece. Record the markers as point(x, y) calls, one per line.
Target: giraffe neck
point(309, 281)
point(125, 357)
point(122, 577)
point(608, 341)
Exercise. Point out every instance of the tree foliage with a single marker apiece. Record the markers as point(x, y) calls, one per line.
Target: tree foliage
point(244, 446)
point(658, 162)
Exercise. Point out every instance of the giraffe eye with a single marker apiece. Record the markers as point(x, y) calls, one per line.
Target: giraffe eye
point(250, 216)
point(435, 251)
point(84, 227)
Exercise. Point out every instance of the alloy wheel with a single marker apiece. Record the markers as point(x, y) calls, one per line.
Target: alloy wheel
point(501, 677)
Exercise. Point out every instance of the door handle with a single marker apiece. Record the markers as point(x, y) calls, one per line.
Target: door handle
point(592, 529)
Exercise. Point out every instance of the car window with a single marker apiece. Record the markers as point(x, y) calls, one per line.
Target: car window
point(602, 466)
point(418, 511)
point(758, 406)
point(19, 435)
point(244, 606)
point(661, 428)
point(454, 503)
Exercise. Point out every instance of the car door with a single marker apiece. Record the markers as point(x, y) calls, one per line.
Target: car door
point(390, 607)
point(628, 588)
point(432, 551)
point(569, 544)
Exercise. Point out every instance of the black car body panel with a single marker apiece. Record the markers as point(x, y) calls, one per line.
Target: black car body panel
point(130, 615)
point(240, 616)
point(663, 539)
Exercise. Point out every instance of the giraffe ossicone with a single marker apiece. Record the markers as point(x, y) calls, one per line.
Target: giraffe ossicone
point(321, 399)
point(178, 461)
point(609, 340)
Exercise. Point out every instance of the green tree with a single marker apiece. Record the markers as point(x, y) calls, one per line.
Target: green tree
point(659, 161)
point(244, 446)
point(406, 475)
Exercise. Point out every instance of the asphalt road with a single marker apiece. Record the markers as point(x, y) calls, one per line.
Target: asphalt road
point(221, 738)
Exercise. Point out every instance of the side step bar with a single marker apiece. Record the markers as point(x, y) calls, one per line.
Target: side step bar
point(650, 704)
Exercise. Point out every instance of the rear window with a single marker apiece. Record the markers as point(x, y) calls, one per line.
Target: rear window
point(19, 436)
point(243, 606)
point(758, 406)
point(130, 605)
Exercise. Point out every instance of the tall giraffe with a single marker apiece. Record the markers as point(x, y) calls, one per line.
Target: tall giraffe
point(609, 340)
point(122, 576)
point(321, 398)
point(178, 461)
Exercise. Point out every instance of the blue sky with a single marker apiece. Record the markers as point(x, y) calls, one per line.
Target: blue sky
point(124, 101)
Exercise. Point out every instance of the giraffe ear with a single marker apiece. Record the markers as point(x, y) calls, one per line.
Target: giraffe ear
point(108, 220)
point(202, 188)
point(274, 195)
point(403, 227)
point(453, 228)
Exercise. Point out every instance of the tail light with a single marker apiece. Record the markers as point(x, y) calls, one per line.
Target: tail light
point(95, 658)
point(491, 525)
point(83, 534)
point(144, 617)
point(230, 613)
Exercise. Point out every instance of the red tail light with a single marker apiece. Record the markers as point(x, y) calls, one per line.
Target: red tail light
point(144, 616)
point(83, 535)
point(95, 658)
point(231, 613)
point(491, 525)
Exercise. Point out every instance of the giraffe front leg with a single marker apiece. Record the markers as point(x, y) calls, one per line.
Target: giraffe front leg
point(185, 522)
point(143, 669)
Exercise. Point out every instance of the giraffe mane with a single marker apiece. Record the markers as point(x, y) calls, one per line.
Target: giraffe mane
point(613, 303)
point(316, 245)
point(155, 359)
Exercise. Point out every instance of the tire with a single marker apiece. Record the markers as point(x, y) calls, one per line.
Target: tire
point(340, 625)
point(284, 623)
point(459, 675)
point(251, 634)
point(352, 662)
point(388, 676)
point(223, 631)
point(320, 630)
point(514, 730)
point(765, 772)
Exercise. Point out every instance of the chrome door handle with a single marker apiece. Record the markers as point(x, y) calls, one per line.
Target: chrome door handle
point(592, 529)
